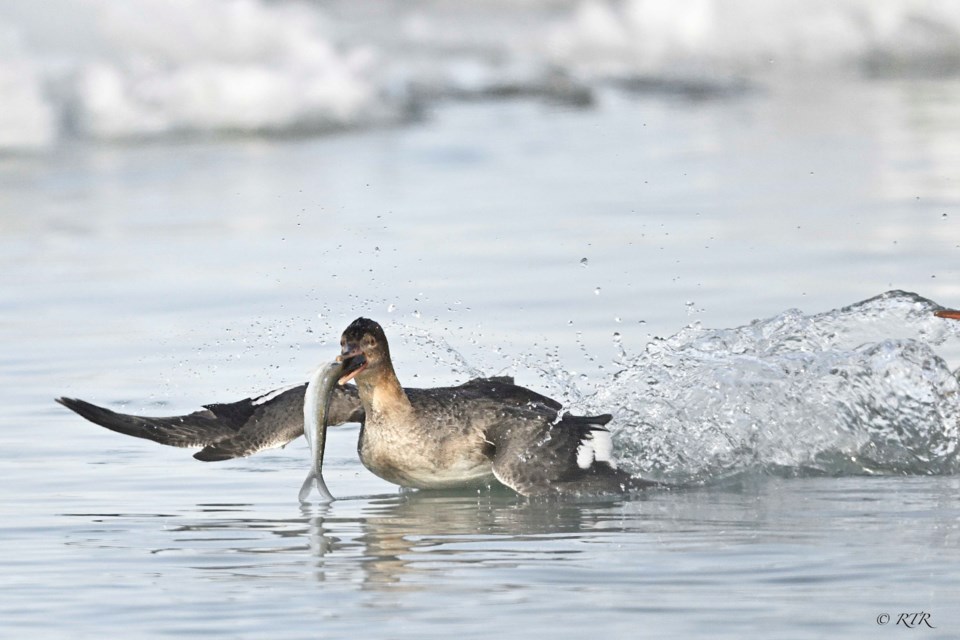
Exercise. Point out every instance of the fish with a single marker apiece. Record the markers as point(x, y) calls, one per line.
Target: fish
point(316, 405)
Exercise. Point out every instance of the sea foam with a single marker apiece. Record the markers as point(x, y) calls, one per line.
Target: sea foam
point(148, 68)
point(143, 69)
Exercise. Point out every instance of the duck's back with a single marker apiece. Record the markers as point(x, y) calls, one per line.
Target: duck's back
point(441, 442)
point(491, 428)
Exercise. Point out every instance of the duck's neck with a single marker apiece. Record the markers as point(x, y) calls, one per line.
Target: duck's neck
point(381, 393)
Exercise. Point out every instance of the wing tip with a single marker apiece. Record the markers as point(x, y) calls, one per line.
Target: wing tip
point(84, 409)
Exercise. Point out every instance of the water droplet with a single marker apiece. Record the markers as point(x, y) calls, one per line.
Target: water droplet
point(596, 291)
point(391, 308)
point(584, 262)
point(617, 319)
point(616, 336)
point(416, 314)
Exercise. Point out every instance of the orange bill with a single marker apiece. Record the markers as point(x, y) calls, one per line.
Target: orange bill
point(953, 314)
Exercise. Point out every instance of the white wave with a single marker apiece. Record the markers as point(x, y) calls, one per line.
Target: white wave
point(154, 67)
point(27, 120)
point(143, 68)
point(237, 65)
point(705, 37)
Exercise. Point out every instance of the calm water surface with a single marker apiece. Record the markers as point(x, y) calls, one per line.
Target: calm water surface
point(157, 277)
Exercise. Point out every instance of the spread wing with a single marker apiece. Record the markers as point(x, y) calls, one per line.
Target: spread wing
point(236, 429)
point(228, 430)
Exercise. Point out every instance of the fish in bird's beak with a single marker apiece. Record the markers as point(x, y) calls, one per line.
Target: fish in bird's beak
point(363, 346)
point(353, 361)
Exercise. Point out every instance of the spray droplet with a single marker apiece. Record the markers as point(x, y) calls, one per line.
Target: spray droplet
point(584, 262)
point(391, 308)
point(596, 291)
point(416, 314)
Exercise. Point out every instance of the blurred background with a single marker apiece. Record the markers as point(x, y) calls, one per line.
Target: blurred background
point(197, 186)
point(146, 69)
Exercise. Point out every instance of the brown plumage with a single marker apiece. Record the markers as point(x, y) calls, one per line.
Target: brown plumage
point(484, 431)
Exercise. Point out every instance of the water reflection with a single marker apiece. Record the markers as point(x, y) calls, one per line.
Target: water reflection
point(421, 533)
point(387, 541)
point(390, 547)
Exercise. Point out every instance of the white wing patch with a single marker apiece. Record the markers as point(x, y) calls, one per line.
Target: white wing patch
point(597, 446)
point(270, 395)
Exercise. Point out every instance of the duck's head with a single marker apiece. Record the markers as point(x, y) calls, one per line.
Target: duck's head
point(363, 350)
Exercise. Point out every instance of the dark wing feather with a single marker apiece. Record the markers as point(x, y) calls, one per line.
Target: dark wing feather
point(193, 430)
point(227, 430)
point(264, 424)
point(504, 390)
point(536, 457)
point(532, 449)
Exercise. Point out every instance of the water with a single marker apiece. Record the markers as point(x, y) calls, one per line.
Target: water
point(680, 234)
point(791, 558)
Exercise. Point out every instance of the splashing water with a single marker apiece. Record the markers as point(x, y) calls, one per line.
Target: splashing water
point(857, 390)
point(853, 391)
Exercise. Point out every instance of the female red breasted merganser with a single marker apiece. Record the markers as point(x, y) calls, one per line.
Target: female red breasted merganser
point(480, 432)
point(483, 431)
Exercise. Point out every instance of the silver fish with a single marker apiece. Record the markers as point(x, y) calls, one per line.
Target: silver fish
point(316, 403)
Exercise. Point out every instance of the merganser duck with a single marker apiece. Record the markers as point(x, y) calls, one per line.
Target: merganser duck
point(482, 432)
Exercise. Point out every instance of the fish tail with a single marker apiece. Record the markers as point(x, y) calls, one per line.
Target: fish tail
point(307, 486)
point(315, 480)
